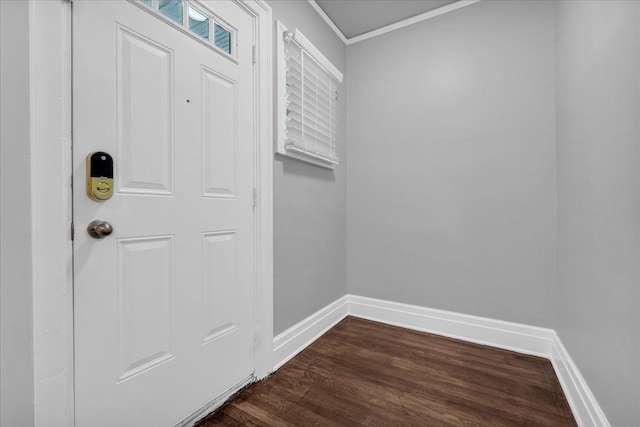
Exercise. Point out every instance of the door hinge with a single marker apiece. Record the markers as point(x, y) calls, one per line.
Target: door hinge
point(255, 197)
point(253, 53)
point(73, 232)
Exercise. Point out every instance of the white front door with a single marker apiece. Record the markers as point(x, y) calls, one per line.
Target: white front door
point(164, 306)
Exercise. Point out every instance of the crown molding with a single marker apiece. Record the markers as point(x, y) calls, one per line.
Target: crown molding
point(391, 27)
point(328, 20)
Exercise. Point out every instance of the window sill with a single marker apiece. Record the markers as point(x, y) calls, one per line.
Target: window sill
point(298, 154)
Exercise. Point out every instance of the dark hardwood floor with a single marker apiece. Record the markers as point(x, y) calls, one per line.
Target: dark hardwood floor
point(363, 373)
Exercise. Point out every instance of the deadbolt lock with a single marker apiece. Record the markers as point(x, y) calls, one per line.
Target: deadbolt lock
point(99, 176)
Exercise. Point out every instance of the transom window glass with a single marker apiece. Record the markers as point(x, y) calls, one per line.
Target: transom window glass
point(172, 9)
point(222, 38)
point(197, 19)
point(199, 23)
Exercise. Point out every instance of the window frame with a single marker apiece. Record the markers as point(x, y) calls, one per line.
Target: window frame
point(183, 26)
point(282, 36)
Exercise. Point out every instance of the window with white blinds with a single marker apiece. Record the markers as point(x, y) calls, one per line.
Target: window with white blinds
point(308, 98)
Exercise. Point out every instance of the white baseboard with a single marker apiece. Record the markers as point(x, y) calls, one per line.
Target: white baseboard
point(582, 401)
point(516, 337)
point(298, 337)
point(495, 333)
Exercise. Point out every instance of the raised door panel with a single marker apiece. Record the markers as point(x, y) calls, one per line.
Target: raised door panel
point(219, 265)
point(145, 304)
point(219, 135)
point(145, 119)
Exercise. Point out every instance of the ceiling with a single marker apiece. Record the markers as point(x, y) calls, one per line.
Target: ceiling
point(356, 17)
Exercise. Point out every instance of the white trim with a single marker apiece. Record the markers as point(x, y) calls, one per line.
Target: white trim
point(51, 167)
point(480, 330)
point(313, 51)
point(410, 21)
point(264, 186)
point(532, 340)
point(298, 337)
point(582, 401)
point(298, 154)
point(391, 27)
point(328, 20)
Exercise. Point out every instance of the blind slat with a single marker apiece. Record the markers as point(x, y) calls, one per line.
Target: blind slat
point(311, 105)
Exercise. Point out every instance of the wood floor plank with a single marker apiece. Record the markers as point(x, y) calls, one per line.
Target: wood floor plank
point(363, 373)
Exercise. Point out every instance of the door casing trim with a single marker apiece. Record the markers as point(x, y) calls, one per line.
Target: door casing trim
point(50, 73)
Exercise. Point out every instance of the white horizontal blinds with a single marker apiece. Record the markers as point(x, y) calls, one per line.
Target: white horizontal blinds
point(294, 135)
point(333, 116)
point(311, 105)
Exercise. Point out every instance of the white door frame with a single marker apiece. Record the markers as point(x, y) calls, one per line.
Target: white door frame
point(51, 170)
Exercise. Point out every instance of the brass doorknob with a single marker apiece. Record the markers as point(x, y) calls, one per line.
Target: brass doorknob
point(99, 229)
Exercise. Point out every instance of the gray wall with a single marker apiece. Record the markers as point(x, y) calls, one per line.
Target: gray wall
point(16, 347)
point(465, 104)
point(598, 137)
point(451, 178)
point(309, 201)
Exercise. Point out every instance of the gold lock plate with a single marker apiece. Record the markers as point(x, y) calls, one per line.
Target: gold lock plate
point(99, 176)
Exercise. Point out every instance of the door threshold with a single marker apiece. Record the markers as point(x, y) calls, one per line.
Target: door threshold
point(215, 403)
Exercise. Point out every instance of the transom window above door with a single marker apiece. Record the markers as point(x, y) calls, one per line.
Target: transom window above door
point(197, 20)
